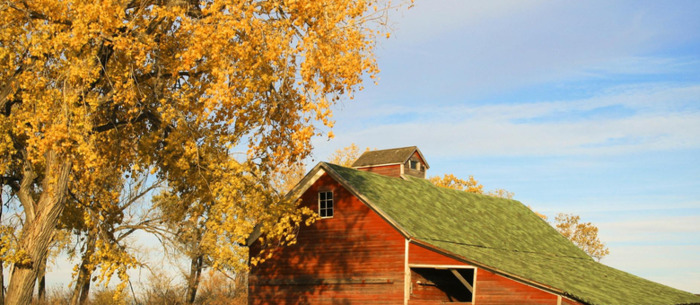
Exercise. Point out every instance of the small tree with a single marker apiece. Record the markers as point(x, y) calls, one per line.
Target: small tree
point(583, 235)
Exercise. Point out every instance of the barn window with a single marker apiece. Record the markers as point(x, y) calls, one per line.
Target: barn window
point(442, 284)
point(325, 204)
point(413, 164)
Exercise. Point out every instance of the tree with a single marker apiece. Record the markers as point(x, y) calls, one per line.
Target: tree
point(287, 177)
point(501, 193)
point(104, 245)
point(176, 86)
point(346, 156)
point(469, 185)
point(583, 235)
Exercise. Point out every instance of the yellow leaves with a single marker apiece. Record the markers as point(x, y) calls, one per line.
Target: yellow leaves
point(501, 193)
point(583, 235)
point(121, 91)
point(346, 156)
point(9, 251)
point(470, 185)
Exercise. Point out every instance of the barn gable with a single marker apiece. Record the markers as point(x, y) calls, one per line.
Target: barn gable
point(498, 246)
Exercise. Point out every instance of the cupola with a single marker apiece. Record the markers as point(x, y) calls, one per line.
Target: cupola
point(393, 162)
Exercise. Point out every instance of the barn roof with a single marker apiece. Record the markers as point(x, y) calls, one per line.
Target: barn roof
point(388, 156)
point(500, 235)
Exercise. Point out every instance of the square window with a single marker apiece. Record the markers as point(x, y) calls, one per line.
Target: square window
point(325, 204)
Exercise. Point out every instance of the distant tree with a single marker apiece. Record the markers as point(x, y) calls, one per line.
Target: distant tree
point(501, 193)
point(472, 185)
point(583, 235)
point(469, 185)
point(346, 156)
point(287, 177)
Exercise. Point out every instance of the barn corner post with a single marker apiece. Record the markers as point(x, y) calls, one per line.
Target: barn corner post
point(407, 275)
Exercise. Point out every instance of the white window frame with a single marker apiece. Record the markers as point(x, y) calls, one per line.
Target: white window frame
point(444, 267)
point(323, 204)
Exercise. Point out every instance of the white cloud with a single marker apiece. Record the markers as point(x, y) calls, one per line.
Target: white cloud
point(621, 120)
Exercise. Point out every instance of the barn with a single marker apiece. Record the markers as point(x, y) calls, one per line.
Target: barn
point(388, 236)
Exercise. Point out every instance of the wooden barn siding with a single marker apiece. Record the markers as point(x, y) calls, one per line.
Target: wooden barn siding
point(494, 289)
point(355, 244)
point(386, 170)
point(420, 255)
point(490, 288)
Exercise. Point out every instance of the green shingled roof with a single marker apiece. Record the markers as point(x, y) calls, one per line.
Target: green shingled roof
point(501, 235)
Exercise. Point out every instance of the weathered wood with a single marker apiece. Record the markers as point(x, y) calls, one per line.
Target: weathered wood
point(356, 244)
point(462, 280)
point(340, 281)
point(394, 170)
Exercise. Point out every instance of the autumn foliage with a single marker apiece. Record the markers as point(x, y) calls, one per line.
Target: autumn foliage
point(469, 185)
point(583, 235)
point(210, 96)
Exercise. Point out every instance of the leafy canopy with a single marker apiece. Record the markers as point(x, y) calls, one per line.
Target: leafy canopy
point(211, 96)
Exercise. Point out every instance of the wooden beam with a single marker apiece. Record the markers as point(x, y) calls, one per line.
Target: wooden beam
point(461, 279)
point(337, 281)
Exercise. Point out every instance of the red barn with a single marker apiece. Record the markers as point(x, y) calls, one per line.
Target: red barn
point(388, 236)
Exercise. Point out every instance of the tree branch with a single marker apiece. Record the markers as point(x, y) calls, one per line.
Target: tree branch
point(24, 194)
point(147, 115)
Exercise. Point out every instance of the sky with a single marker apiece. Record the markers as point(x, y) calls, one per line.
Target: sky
point(589, 107)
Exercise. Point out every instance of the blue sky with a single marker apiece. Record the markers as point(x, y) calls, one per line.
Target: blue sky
point(590, 108)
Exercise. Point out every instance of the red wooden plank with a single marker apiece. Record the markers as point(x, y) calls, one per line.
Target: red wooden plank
point(354, 243)
point(386, 170)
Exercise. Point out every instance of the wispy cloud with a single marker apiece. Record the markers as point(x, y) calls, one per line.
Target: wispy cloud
point(621, 120)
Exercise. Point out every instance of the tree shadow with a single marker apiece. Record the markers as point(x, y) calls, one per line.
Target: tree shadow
point(354, 257)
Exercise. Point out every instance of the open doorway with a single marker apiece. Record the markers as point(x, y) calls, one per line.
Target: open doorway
point(443, 284)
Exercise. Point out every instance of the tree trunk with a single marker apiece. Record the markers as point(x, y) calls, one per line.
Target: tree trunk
point(38, 228)
point(42, 281)
point(193, 280)
point(2, 282)
point(2, 270)
point(82, 283)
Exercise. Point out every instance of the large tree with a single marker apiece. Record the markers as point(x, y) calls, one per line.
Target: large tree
point(176, 86)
